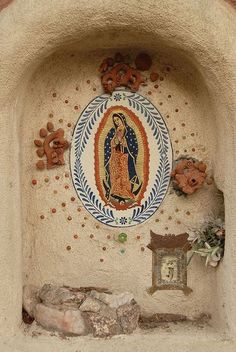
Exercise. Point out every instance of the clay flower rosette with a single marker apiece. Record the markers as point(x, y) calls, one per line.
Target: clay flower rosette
point(188, 175)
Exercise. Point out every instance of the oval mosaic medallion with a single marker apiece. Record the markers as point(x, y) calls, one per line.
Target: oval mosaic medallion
point(121, 159)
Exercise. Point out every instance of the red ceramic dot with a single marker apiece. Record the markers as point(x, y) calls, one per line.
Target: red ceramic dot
point(72, 199)
point(66, 187)
point(57, 177)
point(34, 182)
point(54, 210)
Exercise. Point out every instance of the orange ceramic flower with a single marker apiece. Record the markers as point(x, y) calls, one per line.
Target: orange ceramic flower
point(188, 176)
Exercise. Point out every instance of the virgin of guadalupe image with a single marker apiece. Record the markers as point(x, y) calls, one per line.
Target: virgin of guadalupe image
point(122, 183)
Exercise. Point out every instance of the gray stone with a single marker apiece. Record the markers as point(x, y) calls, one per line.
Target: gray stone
point(55, 295)
point(102, 326)
point(90, 304)
point(69, 322)
point(30, 298)
point(113, 300)
point(128, 316)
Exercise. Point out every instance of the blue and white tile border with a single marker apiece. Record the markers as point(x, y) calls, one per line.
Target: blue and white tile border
point(83, 137)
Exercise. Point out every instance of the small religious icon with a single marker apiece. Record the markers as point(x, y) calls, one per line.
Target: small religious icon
point(169, 262)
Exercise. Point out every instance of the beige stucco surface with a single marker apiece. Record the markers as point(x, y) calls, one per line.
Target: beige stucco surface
point(45, 241)
point(197, 39)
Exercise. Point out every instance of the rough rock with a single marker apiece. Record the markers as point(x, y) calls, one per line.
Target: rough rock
point(69, 322)
point(90, 305)
point(114, 300)
point(128, 317)
point(30, 298)
point(102, 326)
point(72, 312)
point(55, 295)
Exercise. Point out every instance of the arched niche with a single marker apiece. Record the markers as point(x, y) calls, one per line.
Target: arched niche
point(172, 38)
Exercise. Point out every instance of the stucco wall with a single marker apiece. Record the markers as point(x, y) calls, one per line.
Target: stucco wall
point(201, 31)
point(62, 242)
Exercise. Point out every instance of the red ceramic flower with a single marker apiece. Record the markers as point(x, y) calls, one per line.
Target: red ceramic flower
point(188, 175)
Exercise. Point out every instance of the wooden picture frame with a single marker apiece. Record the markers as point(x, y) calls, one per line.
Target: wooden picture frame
point(169, 262)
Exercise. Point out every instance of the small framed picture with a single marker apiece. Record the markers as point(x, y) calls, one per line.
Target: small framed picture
point(169, 262)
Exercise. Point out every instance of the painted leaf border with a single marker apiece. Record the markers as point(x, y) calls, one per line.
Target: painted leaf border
point(81, 136)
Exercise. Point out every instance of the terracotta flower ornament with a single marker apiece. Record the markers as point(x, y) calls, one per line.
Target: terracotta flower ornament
point(53, 146)
point(188, 176)
point(117, 72)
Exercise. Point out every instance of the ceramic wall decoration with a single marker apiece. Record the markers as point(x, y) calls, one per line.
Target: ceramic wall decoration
point(188, 175)
point(121, 158)
point(169, 270)
point(53, 147)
